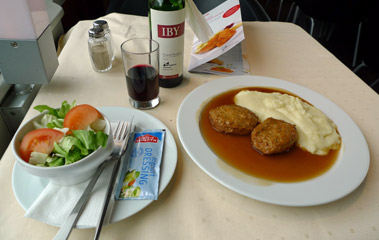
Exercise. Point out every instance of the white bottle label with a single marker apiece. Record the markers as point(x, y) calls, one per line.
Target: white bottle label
point(167, 28)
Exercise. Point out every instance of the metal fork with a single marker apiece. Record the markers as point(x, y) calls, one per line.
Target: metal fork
point(120, 138)
point(110, 189)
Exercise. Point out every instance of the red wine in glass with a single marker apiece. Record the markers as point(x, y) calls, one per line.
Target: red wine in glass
point(143, 83)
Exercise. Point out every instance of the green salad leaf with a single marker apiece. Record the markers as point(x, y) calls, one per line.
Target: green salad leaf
point(65, 107)
point(70, 148)
point(87, 137)
point(59, 113)
point(78, 146)
point(56, 161)
point(101, 139)
point(73, 156)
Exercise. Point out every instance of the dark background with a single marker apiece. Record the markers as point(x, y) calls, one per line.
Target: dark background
point(342, 39)
point(77, 10)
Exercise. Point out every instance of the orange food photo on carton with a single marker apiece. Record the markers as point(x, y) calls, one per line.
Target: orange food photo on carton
point(219, 39)
point(224, 36)
point(222, 69)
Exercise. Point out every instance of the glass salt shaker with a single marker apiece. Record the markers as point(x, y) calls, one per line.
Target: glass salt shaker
point(104, 25)
point(98, 47)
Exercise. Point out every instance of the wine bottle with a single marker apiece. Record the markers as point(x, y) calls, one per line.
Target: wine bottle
point(167, 28)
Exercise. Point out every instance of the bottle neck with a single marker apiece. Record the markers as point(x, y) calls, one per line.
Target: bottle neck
point(166, 5)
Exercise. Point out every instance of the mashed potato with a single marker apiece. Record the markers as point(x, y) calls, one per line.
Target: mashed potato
point(316, 132)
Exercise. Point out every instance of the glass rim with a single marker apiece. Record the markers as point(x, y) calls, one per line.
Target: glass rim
point(140, 53)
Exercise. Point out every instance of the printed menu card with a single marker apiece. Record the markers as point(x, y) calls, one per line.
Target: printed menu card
point(223, 53)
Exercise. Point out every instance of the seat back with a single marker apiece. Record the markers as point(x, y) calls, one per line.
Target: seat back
point(370, 38)
point(132, 7)
point(336, 11)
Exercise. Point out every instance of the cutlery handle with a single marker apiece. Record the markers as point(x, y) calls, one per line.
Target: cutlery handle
point(108, 196)
point(71, 220)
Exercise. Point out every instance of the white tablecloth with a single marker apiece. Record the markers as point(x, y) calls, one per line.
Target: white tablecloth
point(194, 206)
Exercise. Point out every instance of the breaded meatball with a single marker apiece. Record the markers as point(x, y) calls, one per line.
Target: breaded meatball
point(232, 119)
point(273, 136)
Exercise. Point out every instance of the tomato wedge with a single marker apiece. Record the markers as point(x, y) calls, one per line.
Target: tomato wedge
point(39, 140)
point(81, 116)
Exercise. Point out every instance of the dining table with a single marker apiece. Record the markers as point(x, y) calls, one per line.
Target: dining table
point(194, 205)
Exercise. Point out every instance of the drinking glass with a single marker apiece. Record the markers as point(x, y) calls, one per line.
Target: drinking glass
point(141, 63)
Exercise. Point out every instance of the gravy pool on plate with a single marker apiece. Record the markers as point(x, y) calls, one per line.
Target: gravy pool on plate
point(295, 165)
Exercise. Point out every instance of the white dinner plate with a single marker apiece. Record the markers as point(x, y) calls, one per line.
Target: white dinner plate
point(27, 187)
point(345, 175)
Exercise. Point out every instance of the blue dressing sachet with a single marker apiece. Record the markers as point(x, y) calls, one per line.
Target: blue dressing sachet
point(139, 178)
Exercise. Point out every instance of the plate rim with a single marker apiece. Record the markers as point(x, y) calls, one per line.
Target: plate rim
point(217, 86)
point(119, 205)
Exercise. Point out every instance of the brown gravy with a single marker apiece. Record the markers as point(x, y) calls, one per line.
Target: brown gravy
point(295, 165)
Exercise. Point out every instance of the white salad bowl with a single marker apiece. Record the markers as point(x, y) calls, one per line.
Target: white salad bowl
point(70, 174)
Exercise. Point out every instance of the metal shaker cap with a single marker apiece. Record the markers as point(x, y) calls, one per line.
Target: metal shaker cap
point(100, 24)
point(96, 32)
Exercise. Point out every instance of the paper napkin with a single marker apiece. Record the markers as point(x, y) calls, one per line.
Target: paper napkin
point(55, 202)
